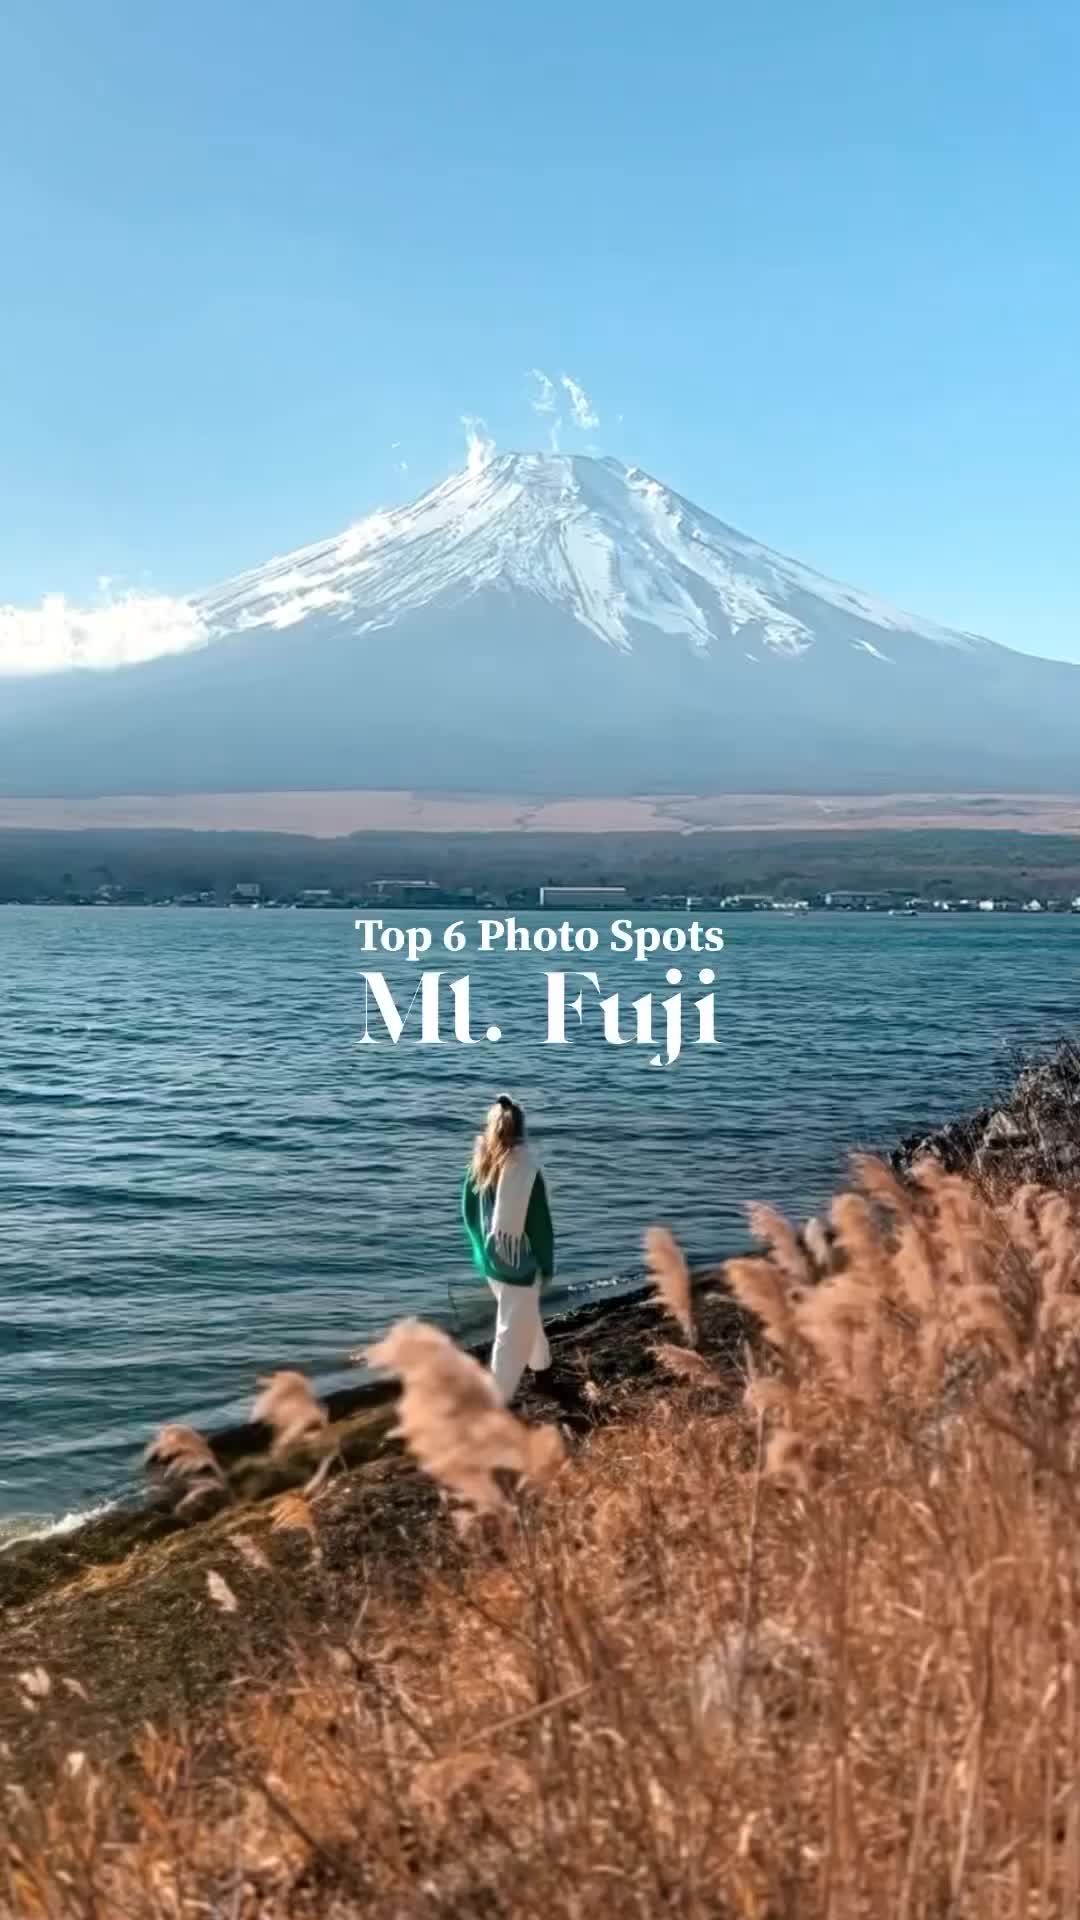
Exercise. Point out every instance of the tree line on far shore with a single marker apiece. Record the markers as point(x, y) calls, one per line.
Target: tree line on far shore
point(59, 865)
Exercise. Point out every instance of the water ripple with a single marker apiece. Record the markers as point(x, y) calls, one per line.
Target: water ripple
point(205, 1175)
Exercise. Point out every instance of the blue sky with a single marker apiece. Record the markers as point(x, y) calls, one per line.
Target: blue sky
point(817, 266)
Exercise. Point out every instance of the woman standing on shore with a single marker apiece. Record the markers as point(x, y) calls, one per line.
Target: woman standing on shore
point(504, 1207)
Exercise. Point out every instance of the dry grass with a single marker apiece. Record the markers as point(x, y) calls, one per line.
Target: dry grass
point(454, 1423)
point(185, 1462)
point(298, 1421)
point(287, 1405)
point(667, 1268)
point(819, 1658)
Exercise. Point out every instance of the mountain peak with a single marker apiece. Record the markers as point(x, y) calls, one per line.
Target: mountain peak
point(603, 542)
point(542, 622)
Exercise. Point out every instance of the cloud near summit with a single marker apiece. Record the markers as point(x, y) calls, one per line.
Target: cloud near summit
point(545, 401)
point(585, 415)
point(123, 630)
point(479, 443)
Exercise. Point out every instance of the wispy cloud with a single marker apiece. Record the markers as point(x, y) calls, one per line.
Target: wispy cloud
point(123, 630)
point(545, 399)
point(545, 402)
point(581, 406)
point(479, 444)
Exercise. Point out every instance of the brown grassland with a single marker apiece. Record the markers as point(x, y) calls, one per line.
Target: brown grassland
point(326, 815)
point(795, 1633)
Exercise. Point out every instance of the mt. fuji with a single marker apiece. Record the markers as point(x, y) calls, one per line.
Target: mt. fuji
point(540, 622)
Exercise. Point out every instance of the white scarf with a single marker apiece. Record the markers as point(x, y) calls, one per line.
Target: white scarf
point(512, 1195)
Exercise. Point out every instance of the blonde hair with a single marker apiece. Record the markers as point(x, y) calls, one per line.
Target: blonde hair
point(504, 1129)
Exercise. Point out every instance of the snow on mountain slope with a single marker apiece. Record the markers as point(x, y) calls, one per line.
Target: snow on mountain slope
point(601, 542)
point(537, 622)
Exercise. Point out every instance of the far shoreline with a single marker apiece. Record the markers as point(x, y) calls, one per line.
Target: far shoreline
point(1012, 851)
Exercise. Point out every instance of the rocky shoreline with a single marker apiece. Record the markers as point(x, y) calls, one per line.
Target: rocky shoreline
point(1032, 1134)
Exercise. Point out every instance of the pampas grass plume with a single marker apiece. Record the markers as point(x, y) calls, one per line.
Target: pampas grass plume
point(685, 1365)
point(287, 1405)
point(782, 1240)
point(179, 1453)
point(670, 1276)
point(759, 1286)
point(453, 1421)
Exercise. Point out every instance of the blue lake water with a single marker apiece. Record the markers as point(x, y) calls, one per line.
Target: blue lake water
point(205, 1175)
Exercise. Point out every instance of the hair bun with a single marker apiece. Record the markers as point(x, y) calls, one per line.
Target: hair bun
point(504, 1101)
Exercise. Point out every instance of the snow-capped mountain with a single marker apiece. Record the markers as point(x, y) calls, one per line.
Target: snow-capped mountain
point(600, 542)
point(545, 621)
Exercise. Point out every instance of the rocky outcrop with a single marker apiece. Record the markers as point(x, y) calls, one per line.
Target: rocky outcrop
point(1033, 1134)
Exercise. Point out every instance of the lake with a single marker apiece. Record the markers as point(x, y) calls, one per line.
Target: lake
point(205, 1175)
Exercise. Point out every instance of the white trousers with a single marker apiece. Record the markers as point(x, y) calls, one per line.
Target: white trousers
point(520, 1340)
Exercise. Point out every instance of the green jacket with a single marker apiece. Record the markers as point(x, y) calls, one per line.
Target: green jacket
point(475, 1214)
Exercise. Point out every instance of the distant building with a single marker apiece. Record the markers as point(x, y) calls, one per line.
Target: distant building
point(247, 890)
point(583, 896)
point(402, 890)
